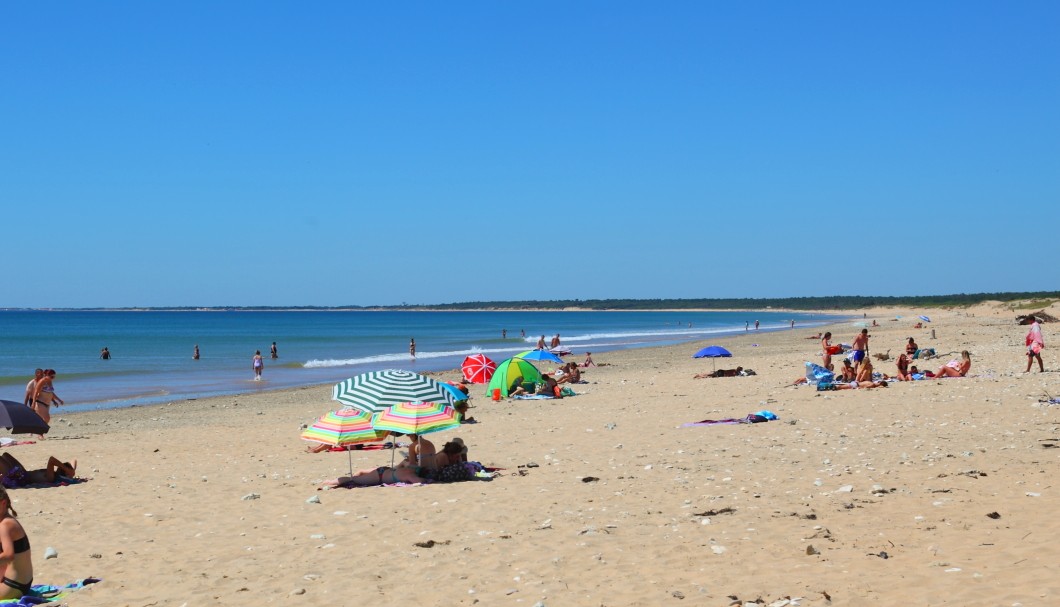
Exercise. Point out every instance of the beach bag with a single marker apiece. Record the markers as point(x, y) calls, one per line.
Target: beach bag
point(452, 473)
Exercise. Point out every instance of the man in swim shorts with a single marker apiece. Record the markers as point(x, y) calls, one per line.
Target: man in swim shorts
point(860, 347)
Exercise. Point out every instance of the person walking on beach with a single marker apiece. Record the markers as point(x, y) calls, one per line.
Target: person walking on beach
point(746, 326)
point(104, 353)
point(412, 347)
point(31, 387)
point(273, 352)
point(1035, 343)
point(44, 396)
point(16, 558)
point(195, 353)
point(756, 325)
point(258, 364)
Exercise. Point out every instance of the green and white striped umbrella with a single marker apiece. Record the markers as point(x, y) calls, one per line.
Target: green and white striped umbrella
point(377, 390)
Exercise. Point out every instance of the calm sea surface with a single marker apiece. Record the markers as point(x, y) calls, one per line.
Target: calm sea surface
point(152, 351)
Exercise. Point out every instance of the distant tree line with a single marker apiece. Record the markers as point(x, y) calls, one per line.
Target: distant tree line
point(832, 302)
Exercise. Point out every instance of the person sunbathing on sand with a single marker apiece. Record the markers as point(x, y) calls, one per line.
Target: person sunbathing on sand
point(847, 372)
point(376, 476)
point(956, 369)
point(854, 385)
point(864, 371)
point(720, 373)
point(903, 368)
point(14, 474)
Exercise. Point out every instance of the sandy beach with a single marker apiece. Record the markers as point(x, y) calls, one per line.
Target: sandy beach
point(938, 492)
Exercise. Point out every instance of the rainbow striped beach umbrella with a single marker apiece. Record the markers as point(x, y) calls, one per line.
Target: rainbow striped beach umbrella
point(377, 390)
point(417, 418)
point(344, 428)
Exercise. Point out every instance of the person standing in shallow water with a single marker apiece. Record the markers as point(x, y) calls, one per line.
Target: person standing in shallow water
point(104, 353)
point(412, 347)
point(258, 364)
point(195, 354)
point(273, 352)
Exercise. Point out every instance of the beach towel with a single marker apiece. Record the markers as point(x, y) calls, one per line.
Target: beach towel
point(7, 441)
point(363, 447)
point(750, 418)
point(12, 480)
point(532, 396)
point(43, 593)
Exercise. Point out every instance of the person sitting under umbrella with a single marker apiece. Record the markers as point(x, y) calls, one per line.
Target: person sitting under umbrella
point(14, 474)
point(451, 462)
point(421, 453)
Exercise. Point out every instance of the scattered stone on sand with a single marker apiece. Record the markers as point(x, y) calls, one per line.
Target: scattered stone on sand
point(251, 496)
point(50, 553)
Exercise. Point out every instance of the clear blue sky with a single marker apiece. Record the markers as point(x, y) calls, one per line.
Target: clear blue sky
point(330, 153)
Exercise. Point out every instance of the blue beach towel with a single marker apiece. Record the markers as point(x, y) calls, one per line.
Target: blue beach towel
point(43, 593)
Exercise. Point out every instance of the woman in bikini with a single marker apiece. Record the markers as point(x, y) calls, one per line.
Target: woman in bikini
point(383, 475)
point(903, 368)
point(15, 557)
point(911, 347)
point(956, 369)
point(44, 396)
point(826, 348)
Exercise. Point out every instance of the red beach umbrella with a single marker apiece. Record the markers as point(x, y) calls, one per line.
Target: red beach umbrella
point(478, 369)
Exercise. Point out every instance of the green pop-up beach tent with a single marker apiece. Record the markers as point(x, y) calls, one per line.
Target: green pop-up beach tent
point(507, 371)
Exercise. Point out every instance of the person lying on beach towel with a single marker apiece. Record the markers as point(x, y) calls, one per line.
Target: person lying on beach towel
point(720, 373)
point(14, 474)
point(383, 475)
point(854, 385)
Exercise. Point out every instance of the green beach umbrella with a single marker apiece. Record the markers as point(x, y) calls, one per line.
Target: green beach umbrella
point(507, 371)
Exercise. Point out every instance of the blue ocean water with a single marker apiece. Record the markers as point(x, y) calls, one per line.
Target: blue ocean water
point(152, 351)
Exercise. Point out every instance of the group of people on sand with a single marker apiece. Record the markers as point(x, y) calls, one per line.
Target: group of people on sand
point(857, 368)
point(548, 386)
point(424, 463)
